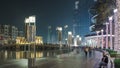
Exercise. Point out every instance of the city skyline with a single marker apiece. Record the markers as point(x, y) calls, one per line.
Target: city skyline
point(48, 13)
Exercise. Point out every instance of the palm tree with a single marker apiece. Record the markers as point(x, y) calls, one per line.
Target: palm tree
point(103, 9)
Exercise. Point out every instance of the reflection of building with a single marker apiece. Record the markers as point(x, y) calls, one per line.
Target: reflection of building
point(30, 29)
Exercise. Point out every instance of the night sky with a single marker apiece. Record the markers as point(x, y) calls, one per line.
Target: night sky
point(48, 12)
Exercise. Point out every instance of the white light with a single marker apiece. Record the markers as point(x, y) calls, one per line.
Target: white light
point(97, 32)
point(115, 10)
point(59, 28)
point(66, 39)
point(32, 19)
point(102, 30)
point(66, 26)
point(77, 36)
point(69, 33)
point(110, 18)
point(80, 38)
point(27, 20)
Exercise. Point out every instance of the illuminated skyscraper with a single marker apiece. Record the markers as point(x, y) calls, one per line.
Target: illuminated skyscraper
point(76, 20)
point(30, 29)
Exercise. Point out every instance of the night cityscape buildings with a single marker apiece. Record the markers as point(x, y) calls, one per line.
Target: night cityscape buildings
point(65, 43)
point(30, 29)
point(8, 34)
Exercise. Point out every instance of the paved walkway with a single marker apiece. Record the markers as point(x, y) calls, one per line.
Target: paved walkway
point(71, 60)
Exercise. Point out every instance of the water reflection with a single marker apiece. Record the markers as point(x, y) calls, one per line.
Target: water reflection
point(28, 54)
point(25, 59)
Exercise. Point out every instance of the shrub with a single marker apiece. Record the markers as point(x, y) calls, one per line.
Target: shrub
point(117, 63)
point(112, 53)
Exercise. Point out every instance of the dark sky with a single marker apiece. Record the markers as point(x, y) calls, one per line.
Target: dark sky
point(48, 12)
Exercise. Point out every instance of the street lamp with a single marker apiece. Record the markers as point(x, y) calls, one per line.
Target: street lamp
point(110, 21)
point(60, 35)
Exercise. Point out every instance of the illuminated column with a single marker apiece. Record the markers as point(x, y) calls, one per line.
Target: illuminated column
point(117, 23)
point(102, 38)
point(111, 42)
point(107, 35)
point(98, 45)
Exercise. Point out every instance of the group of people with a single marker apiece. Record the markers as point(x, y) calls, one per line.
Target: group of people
point(104, 60)
point(88, 50)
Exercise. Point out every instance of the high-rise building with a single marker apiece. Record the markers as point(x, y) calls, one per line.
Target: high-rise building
point(30, 29)
point(76, 20)
point(20, 33)
point(13, 32)
point(6, 30)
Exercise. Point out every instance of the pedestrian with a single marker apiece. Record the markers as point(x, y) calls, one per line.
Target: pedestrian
point(86, 51)
point(104, 60)
point(90, 51)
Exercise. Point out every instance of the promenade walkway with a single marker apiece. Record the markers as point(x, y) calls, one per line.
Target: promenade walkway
point(72, 60)
point(75, 59)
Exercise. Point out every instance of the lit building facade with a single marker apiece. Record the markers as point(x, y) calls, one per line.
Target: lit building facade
point(30, 29)
point(38, 40)
point(98, 41)
point(22, 40)
point(8, 34)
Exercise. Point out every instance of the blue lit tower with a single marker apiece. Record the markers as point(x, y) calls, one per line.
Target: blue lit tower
point(76, 20)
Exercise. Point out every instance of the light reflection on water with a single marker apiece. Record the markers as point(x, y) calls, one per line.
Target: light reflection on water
point(27, 54)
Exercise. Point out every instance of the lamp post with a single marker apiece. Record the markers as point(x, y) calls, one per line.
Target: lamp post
point(102, 38)
point(60, 36)
point(110, 21)
point(107, 35)
point(98, 38)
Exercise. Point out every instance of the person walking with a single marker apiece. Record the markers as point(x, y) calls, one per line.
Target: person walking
point(86, 51)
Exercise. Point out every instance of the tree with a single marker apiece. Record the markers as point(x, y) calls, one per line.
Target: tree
point(103, 9)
